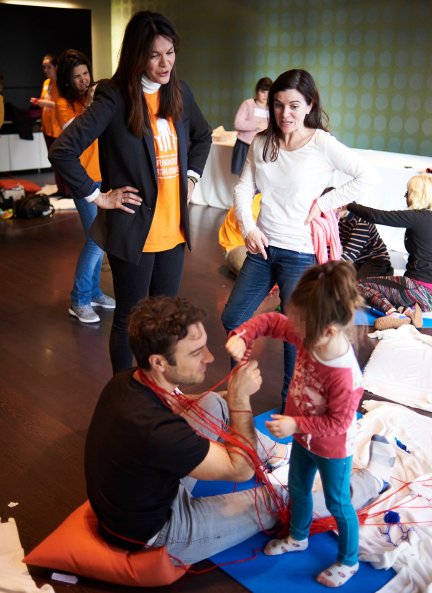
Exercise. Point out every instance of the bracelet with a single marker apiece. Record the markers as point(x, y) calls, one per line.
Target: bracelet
point(193, 179)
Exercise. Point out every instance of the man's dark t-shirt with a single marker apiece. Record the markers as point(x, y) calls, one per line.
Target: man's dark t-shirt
point(136, 451)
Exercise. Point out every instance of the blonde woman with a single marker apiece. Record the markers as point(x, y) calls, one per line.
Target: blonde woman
point(403, 298)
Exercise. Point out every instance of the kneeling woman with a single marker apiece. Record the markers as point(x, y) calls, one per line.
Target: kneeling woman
point(403, 298)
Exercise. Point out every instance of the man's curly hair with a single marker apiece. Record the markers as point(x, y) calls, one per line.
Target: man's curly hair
point(156, 325)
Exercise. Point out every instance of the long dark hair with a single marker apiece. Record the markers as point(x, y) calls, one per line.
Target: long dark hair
point(301, 81)
point(67, 61)
point(137, 44)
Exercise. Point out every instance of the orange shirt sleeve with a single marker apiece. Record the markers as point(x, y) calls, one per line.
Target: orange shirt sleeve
point(65, 112)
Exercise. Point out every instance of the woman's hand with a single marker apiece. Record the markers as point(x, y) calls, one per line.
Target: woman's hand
point(89, 94)
point(281, 426)
point(256, 242)
point(191, 187)
point(236, 347)
point(315, 212)
point(117, 198)
point(42, 102)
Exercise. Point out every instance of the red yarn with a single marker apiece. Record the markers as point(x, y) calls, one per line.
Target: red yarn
point(232, 439)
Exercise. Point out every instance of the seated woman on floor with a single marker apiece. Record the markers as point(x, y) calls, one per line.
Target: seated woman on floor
point(231, 239)
point(363, 246)
point(403, 298)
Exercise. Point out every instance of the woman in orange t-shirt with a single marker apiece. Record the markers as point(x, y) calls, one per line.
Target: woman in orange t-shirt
point(76, 88)
point(47, 101)
point(153, 145)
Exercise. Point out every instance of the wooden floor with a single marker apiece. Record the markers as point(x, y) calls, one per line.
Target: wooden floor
point(52, 369)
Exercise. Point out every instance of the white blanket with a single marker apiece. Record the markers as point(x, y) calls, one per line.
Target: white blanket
point(14, 576)
point(400, 367)
point(410, 551)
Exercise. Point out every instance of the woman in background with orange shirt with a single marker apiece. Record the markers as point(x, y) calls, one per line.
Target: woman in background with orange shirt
point(47, 102)
point(76, 88)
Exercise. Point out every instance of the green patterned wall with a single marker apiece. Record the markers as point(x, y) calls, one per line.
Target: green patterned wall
point(371, 59)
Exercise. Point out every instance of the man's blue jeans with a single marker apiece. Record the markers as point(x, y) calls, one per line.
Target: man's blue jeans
point(87, 273)
point(255, 280)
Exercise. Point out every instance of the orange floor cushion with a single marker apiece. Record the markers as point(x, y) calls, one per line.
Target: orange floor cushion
point(28, 185)
point(76, 547)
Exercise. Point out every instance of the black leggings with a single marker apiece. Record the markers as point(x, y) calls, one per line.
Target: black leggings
point(155, 274)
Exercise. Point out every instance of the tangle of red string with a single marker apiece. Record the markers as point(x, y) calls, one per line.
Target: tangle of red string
point(275, 503)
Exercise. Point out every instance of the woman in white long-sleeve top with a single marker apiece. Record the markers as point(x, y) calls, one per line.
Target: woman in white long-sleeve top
point(292, 162)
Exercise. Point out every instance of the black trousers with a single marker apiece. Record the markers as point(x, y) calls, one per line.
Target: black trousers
point(155, 274)
point(374, 267)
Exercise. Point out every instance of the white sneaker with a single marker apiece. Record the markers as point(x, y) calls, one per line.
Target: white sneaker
point(279, 476)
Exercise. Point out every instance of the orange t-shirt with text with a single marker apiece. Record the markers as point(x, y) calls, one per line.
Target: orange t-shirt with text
point(165, 231)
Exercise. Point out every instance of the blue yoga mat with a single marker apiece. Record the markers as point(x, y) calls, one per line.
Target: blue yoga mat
point(288, 572)
point(368, 316)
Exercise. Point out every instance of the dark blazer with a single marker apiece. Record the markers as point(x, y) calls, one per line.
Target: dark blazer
point(127, 160)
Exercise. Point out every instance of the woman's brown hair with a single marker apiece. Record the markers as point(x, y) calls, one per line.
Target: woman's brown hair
point(301, 81)
point(137, 44)
point(67, 61)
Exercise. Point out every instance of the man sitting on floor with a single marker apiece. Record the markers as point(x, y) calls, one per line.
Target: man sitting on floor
point(143, 442)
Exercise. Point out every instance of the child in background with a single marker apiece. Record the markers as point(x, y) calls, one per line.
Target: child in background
point(363, 245)
point(321, 406)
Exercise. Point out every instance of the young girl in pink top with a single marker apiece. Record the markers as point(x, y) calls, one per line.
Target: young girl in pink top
point(321, 407)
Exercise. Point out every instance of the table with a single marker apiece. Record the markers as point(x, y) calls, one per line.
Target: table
point(216, 186)
point(217, 183)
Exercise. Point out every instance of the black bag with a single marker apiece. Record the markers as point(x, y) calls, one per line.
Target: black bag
point(5, 203)
point(33, 206)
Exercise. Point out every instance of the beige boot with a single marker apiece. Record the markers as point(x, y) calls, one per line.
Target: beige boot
point(415, 315)
point(392, 321)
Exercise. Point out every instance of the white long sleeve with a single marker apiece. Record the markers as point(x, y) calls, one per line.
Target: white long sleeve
point(290, 185)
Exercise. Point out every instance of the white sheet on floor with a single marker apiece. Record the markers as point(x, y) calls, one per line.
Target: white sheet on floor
point(48, 189)
point(58, 203)
point(14, 576)
point(410, 554)
point(400, 367)
point(62, 203)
